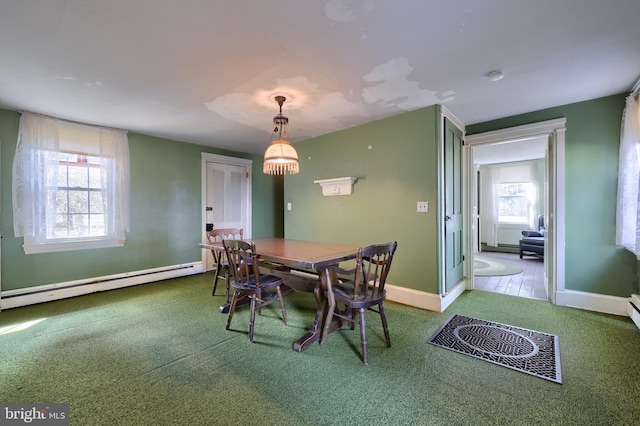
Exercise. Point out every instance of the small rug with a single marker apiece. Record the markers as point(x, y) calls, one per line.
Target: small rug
point(490, 267)
point(528, 351)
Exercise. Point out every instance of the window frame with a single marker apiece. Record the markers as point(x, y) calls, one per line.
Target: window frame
point(117, 168)
point(527, 197)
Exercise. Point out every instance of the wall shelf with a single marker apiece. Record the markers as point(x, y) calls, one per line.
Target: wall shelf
point(336, 186)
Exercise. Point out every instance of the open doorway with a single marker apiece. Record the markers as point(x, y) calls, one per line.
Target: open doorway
point(509, 147)
point(511, 198)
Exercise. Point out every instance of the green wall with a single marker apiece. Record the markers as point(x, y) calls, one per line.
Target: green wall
point(399, 169)
point(165, 213)
point(594, 263)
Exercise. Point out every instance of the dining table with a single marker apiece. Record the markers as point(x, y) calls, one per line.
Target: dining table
point(302, 265)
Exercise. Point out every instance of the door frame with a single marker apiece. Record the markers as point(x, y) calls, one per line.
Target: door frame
point(554, 130)
point(234, 161)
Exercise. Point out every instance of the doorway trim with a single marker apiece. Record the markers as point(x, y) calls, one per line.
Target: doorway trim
point(554, 130)
point(222, 159)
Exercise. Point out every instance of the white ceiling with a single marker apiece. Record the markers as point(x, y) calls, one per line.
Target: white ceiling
point(206, 71)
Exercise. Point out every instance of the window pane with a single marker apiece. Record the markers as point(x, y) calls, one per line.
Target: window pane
point(97, 227)
point(61, 202)
point(78, 176)
point(95, 203)
point(78, 225)
point(514, 200)
point(78, 201)
point(94, 177)
point(61, 226)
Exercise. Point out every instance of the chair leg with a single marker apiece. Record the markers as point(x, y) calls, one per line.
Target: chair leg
point(284, 312)
point(252, 316)
point(349, 312)
point(232, 308)
point(363, 336)
point(385, 326)
point(226, 282)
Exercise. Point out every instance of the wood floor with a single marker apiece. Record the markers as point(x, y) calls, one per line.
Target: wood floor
point(528, 283)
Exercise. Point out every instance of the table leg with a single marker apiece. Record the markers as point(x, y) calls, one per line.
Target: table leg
point(217, 254)
point(315, 333)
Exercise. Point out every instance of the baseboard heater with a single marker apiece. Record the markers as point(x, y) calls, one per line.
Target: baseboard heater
point(45, 293)
point(633, 309)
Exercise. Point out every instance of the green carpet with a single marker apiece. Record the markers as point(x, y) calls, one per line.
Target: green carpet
point(158, 354)
point(491, 267)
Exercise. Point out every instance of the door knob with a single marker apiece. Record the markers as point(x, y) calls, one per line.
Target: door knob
point(447, 217)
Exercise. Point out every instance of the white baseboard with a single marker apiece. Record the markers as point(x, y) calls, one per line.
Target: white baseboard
point(421, 299)
point(574, 299)
point(633, 309)
point(46, 293)
point(593, 302)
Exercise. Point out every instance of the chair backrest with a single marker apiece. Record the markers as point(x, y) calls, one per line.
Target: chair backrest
point(372, 267)
point(217, 235)
point(242, 258)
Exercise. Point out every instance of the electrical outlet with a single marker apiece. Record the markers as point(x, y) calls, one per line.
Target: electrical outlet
point(423, 207)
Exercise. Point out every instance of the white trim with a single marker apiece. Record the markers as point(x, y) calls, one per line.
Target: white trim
point(421, 299)
point(72, 245)
point(63, 290)
point(223, 159)
point(216, 158)
point(517, 133)
point(555, 130)
point(445, 113)
point(596, 302)
point(574, 299)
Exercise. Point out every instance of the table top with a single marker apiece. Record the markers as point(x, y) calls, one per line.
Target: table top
point(297, 253)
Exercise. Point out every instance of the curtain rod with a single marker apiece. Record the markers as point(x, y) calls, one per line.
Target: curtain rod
point(74, 122)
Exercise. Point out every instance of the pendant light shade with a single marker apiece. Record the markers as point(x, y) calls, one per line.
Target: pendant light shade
point(281, 157)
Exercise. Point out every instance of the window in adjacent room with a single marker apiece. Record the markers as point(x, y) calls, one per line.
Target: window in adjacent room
point(514, 202)
point(70, 185)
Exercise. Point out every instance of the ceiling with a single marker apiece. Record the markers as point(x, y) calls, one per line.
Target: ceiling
point(508, 152)
point(207, 71)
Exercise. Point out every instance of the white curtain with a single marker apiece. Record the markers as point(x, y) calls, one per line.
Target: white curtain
point(35, 164)
point(37, 147)
point(492, 206)
point(509, 173)
point(114, 175)
point(627, 212)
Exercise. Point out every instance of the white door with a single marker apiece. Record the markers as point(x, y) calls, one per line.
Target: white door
point(226, 196)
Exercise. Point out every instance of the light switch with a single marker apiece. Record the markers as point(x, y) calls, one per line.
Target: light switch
point(423, 207)
point(289, 206)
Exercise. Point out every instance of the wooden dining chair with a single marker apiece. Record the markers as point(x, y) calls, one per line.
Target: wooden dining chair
point(219, 256)
point(360, 289)
point(248, 282)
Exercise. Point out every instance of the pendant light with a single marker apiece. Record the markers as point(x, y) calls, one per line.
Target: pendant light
point(281, 156)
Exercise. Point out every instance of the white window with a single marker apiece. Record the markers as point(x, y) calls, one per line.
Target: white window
point(70, 185)
point(515, 201)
